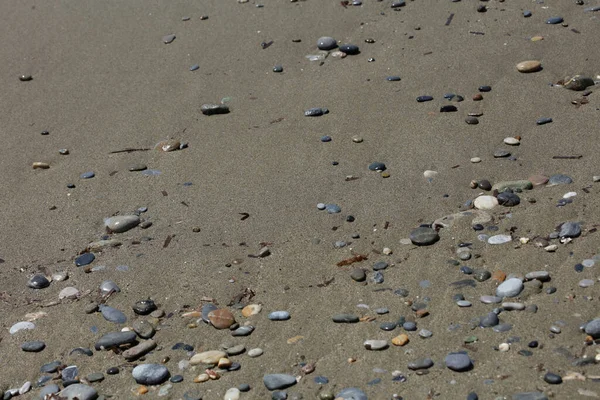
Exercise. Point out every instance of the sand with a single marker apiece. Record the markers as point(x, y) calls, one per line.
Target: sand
point(103, 81)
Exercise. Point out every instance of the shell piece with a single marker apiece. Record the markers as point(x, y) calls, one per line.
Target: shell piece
point(168, 145)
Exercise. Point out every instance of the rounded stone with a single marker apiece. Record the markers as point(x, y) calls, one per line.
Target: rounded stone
point(351, 394)
point(85, 259)
point(559, 179)
point(112, 314)
point(377, 166)
point(458, 362)
point(144, 307)
point(592, 328)
point(167, 39)
point(508, 199)
point(221, 318)
point(115, 339)
point(78, 391)
point(570, 229)
point(257, 352)
point(34, 346)
point(376, 344)
point(326, 43)
point(472, 121)
point(423, 363)
point(279, 316)
point(38, 282)
point(350, 49)
point(278, 381)
point(529, 66)
point(345, 318)
point(552, 379)
point(509, 288)
point(358, 275)
point(208, 357)
point(121, 223)
point(20, 326)
point(150, 374)
point(424, 236)
point(87, 175)
point(485, 202)
point(511, 141)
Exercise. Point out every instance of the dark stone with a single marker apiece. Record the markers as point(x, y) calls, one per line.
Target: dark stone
point(448, 108)
point(393, 78)
point(380, 265)
point(315, 112)
point(422, 99)
point(85, 259)
point(345, 318)
point(484, 184)
point(543, 121)
point(34, 346)
point(424, 236)
point(552, 379)
point(554, 20)
point(278, 68)
point(115, 339)
point(349, 49)
point(81, 351)
point(144, 307)
point(214, 109)
point(508, 199)
point(38, 282)
point(485, 88)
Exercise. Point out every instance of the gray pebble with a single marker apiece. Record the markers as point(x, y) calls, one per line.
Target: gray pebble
point(214, 109)
point(529, 396)
point(358, 274)
point(345, 318)
point(509, 288)
point(121, 223)
point(352, 394)
point(245, 330)
point(150, 374)
point(114, 339)
point(279, 381)
point(490, 299)
point(424, 236)
point(143, 328)
point(167, 39)
point(490, 320)
point(80, 392)
point(326, 43)
point(279, 316)
point(458, 362)
point(570, 229)
point(38, 282)
point(47, 390)
point(559, 179)
point(423, 363)
point(33, 346)
point(112, 314)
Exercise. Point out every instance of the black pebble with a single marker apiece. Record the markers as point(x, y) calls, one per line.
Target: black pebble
point(533, 344)
point(422, 99)
point(350, 218)
point(472, 396)
point(176, 378)
point(485, 88)
point(45, 133)
point(182, 346)
point(478, 227)
point(33, 346)
point(112, 371)
point(448, 108)
point(350, 49)
point(38, 282)
point(579, 267)
point(552, 379)
point(278, 68)
point(25, 78)
point(85, 259)
point(481, 8)
point(551, 290)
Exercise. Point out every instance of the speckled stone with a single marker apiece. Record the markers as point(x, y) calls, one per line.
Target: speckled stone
point(424, 236)
point(529, 66)
point(150, 374)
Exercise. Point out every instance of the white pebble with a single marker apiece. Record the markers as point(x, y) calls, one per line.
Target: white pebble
point(511, 141)
point(430, 174)
point(569, 194)
point(475, 160)
point(387, 251)
point(485, 202)
point(232, 394)
point(504, 347)
point(257, 352)
point(551, 248)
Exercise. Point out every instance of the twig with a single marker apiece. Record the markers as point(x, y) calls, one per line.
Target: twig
point(128, 150)
point(577, 157)
point(449, 20)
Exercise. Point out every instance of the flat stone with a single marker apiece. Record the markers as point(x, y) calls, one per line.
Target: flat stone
point(543, 276)
point(377, 166)
point(144, 307)
point(221, 318)
point(511, 141)
point(78, 391)
point(85, 259)
point(150, 374)
point(138, 167)
point(112, 314)
point(424, 236)
point(358, 275)
point(554, 20)
point(235, 350)
point(19, 326)
point(333, 208)
point(423, 363)
point(485, 202)
point(490, 299)
point(34, 346)
point(245, 330)
point(570, 229)
point(139, 350)
point(121, 223)
point(279, 316)
point(278, 381)
point(251, 309)
point(559, 179)
point(499, 239)
point(578, 83)
point(326, 43)
point(376, 344)
point(316, 112)
point(232, 394)
point(351, 394)
point(208, 357)
point(458, 362)
point(510, 306)
point(214, 109)
point(95, 377)
point(257, 352)
point(38, 282)
point(509, 288)
point(345, 318)
point(501, 153)
point(115, 339)
point(529, 66)
point(167, 39)
point(519, 185)
point(47, 390)
point(538, 180)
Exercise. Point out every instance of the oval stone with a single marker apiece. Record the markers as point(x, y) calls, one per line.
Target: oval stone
point(529, 66)
point(458, 362)
point(121, 223)
point(424, 236)
point(279, 381)
point(375, 344)
point(279, 316)
point(485, 202)
point(150, 374)
point(326, 43)
point(221, 318)
point(509, 288)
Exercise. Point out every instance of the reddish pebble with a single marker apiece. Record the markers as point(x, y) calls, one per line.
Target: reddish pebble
point(538, 180)
point(499, 276)
point(477, 97)
point(221, 318)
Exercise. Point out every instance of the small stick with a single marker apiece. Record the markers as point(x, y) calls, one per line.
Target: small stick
point(167, 241)
point(449, 20)
point(577, 157)
point(477, 33)
point(127, 150)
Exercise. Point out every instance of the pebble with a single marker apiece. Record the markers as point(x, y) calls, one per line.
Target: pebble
point(168, 38)
point(315, 112)
point(214, 109)
point(570, 230)
point(278, 381)
point(326, 43)
point(79, 391)
point(115, 339)
point(501, 153)
point(377, 166)
point(529, 66)
point(243, 331)
point(333, 208)
point(150, 374)
point(424, 236)
point(251, 309)
point(87, 175)
point(38, 282)
point(592, 328)
point(208, 357)
point(458, 362)
point(85, 259)
point(40, 165)
point(510, 288)
point(512, 141)
point(376, 344)
point(221, 318)
point(543, 121)
point(112, 314)
point(47, 390)
point(554, 20)
point(139, 350)
point(423, 363)
point(257, 352)
point(350, 49)
point(393, 78)
point(520, 185)
point(232, 394)
point(508, 199)
point(25, 78)
point(351, 394)
point(485, 202)
point(20, 326)
point(345, 318)
point(194, 67)
point(499, 239)
point(529, 396)
point(34, 346)
point(279, 316)
point(422, 99)
point(144, 307)
point(358, 275)
point(121, 223)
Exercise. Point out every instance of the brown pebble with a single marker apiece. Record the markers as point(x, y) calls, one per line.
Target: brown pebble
point(294, 339)
point(141, 390)
point(212, 374)
point(529, 66)
point(201, 378)
point(422, 313)
point(400, 340)
point(477, 97)
point(40, 165)
point(498, 276)
point(224, 363)
point(221, 318)
point(251, 309)
point(196, 229)
point(538, 179)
